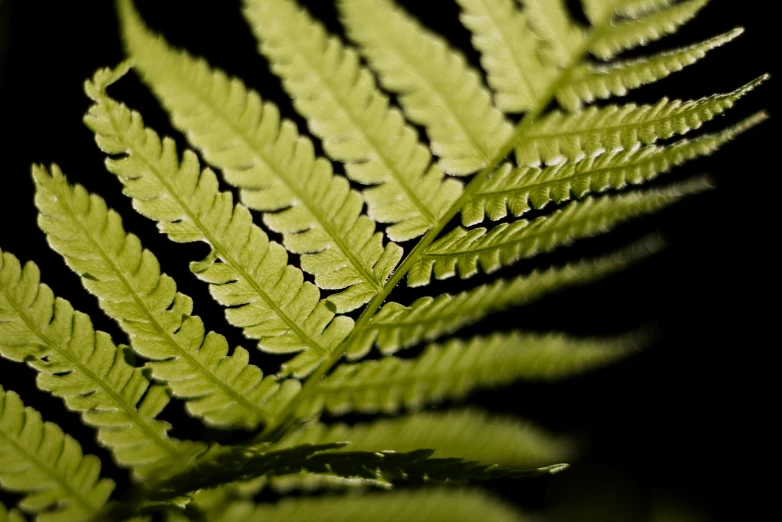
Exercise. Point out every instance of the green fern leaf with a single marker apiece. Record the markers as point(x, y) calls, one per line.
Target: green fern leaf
point(559, 136)
point(396, 326)
point(84, 368)
point(464, 250)
point(516, 191)
point(468, 434)
point(431, 505)
point(353, 118)
point(508, 53)
point(437, 88)
point(269, 299)
point(224, 390)
point(552, 24)
point(276, 168)
point(594, 82)
point(454, 369)
point(39, 460)
point(617, 37)
point(224, 465)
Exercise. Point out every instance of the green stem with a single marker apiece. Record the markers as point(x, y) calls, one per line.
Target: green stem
point(274, 431)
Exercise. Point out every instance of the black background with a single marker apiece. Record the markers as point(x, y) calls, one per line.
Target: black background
point(676, 428)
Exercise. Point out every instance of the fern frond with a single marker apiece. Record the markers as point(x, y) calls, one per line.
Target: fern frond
point(84, 368)
point(437, 88)
point(594, 82)
point(316, 211)
point(508, 53)
point(615, 38)
point(224, 390)
point(353, 118)
point(516, 191)
point(396, 326)
point(429, 505)
point(551, 23)
point(464, 250)
point(453, 370)
point(246, 271)
point(559, 136)
point(468, 434)
point(38, 460)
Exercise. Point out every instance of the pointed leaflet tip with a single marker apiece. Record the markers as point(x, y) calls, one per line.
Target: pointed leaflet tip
point(556, 468)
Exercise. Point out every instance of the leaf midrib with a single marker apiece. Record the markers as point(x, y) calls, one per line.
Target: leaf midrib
point(683, 109)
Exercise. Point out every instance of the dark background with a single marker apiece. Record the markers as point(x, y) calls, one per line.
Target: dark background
point(676, 430)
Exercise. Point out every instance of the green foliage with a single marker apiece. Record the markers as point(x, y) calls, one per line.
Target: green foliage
point(86, 369)
point(452, 370)
point(436, 87)
point(463, 250)
point(396, 326)
point(533, 53)
point(224, 390)
point(39, 460)
point(267, 297)
point(353, 119)
point(592, 82)
point(452, 505)
point(469, 434)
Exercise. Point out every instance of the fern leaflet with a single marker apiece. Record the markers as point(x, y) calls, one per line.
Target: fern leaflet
point(84, 368)
point(276, 168)
point(516, 191)
point(508, 53)
point(38, 459)
point(353, 118)
point(396, 326)
point(594, 82)
point(468, 434)
point(560, 136)
point(269, 299)
point(436, 87)
point(436, 505)
point(223, 465)
point(453, 370)
point(464, 250)
point(614, 38)
point(224, 390)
